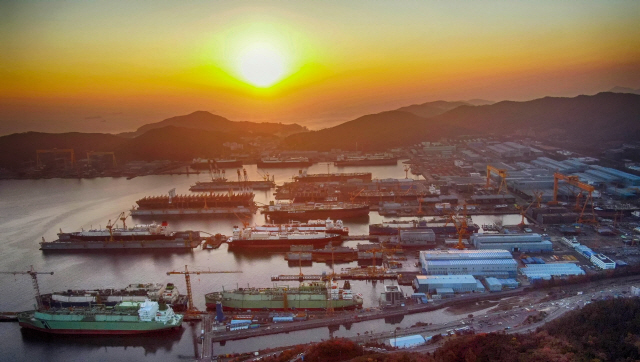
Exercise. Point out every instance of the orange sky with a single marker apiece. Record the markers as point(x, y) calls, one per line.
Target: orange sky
point(113, 65)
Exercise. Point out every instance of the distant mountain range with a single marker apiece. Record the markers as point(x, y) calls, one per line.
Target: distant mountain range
point(585, 120)
point(625, 90)
point(431, 109)
point(210, 122)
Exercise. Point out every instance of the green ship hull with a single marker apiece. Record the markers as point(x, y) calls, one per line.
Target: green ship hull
point(95, 321)
point(307, 297)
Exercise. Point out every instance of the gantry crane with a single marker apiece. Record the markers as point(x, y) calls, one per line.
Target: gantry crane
point(72, 156)
point(94, 153)
point(503, 175)
point(537, 199)
point(575, 182)
point(192, 310)
point(34, 277)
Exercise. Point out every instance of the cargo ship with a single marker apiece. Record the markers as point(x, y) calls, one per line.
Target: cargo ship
point(205, 164)
point(165, 293)
point(220, 183)
point(274, 162)
point(328, 226)
point(308, 296)
point(200, 204)
point(123, 318)
point(249, 238)
point(290, 211)
point(332, 177)
point(438, 227)
point(367, 160)
point(142, 237)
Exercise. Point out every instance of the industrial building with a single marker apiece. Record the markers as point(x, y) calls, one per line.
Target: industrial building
point(407, 341)
point(603, 262)
point(546, 271)
point(496, 263)
point(457, 283)
point(417, 238)
point(529, 243)
point(392, 296)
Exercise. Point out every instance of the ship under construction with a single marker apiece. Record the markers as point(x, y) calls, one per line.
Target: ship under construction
point(199, 204)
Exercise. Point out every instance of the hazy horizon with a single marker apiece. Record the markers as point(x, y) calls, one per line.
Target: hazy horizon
point(114, 66)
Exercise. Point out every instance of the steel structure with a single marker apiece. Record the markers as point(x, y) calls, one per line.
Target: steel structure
point(192, 310)
point(575, 182)
point(72, 156)
point(93, 153)
point(503, 175)
point(34, 277)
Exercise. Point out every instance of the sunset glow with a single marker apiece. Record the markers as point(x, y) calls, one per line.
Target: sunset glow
point(314, 63)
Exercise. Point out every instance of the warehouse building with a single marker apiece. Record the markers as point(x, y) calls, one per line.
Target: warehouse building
point(530, 243)
point(457, 283)
point(546, 271)
point(417, 238)
point(603, 262)
point(496, 263)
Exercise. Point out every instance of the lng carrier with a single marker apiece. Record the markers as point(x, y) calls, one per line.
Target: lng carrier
point(250, 238)
point(308, 296)
point(438, 227)
point(123, 318)
point(290, 211)
point(206, 164)
point(274, 162)
point(147, 237)
point(165, 293)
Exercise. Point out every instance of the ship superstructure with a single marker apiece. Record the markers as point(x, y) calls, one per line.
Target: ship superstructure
point(165, 293)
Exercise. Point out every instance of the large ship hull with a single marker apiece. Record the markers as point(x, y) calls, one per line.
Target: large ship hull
point(319, 213)
point(233, 185)
point(284, 164)
point(314, 302)
point(378, 229)
point(334, 177)
point(201, 211)
point(283, 243)
point(367, 162)
point(92, 323)
point(119, 245)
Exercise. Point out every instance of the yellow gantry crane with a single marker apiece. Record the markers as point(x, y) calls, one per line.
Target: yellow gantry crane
point(34, 277)
point(94, 153)
point(192, 310)
point(537, 199)
point(72, 157)
point(503, 176)
point(575, 182)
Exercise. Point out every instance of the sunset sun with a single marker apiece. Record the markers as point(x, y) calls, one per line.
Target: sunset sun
point(262, 65)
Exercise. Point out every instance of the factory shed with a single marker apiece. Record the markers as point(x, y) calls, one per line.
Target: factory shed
point(603, 262)
point(493, 284)
point(407, 341)
point(546, 271)
point(532, 243)
point(458, 283)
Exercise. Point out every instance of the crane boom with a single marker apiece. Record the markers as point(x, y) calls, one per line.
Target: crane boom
point(187, 276)
point(34, 277)
point(575, 182)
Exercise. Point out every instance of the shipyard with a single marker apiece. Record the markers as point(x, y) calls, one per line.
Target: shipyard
point(419, 232)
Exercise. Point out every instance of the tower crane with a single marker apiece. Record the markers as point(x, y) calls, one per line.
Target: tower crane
point(34, 278)
point(192, 310)
point(503, 176)
point(575, 182)
point(460, 223)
